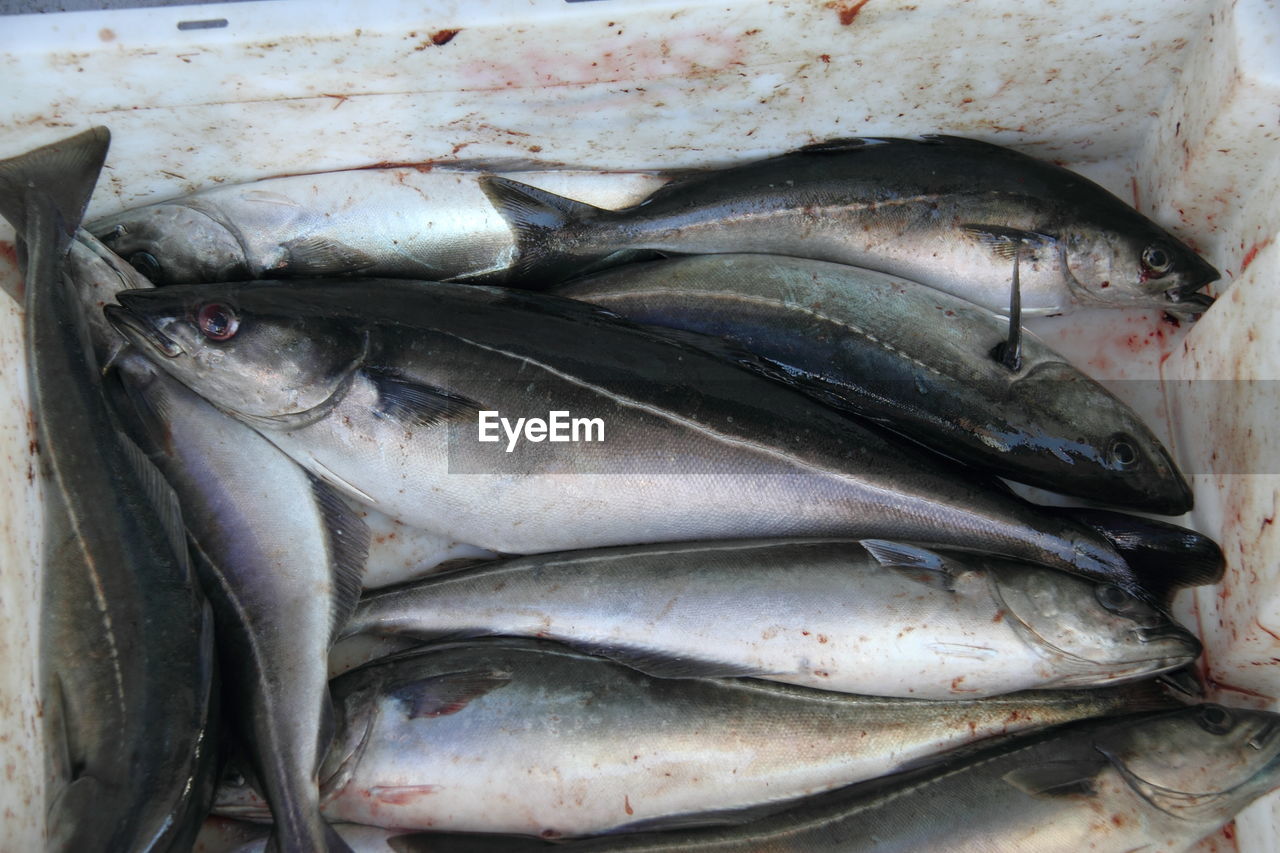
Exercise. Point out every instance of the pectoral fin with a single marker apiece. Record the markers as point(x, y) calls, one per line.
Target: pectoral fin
point(1005, 242)
point(1054, 778)
point(442, 695)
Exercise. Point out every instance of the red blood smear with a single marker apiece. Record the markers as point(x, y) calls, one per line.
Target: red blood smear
point(848, 13)
point(1253, 253)
point(10, 253)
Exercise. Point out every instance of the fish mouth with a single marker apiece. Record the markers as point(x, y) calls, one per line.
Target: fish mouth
point(141, 332)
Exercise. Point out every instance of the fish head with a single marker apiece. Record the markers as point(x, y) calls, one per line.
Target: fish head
point(1136, 262)
point(1201, 763)
point(175, 243)
point(1096, 443)
point(1091, 632)
point(253, 352)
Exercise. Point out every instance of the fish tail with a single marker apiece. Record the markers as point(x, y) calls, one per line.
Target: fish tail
point(549, 230)
point(57, 179)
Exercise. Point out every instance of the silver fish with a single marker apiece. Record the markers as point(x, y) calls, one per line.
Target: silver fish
point(914, 359)
point(126, 641)
point(877, 618)
point(280, 555)
point(424, 223)
point(378, 388)
point(509, 736)
point(952, 213)
point(1156, 781)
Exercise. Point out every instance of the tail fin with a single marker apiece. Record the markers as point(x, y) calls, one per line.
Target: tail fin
point(547, 231)
point(1164, 556)
point(64, 172)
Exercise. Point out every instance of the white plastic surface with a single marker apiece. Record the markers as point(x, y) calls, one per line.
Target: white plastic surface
point(1172, 104)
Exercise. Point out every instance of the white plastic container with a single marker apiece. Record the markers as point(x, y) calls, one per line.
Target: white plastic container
point(1172, 104)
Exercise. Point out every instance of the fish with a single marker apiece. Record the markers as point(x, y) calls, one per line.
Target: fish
point(913, 359)
point(378, 388)
point(278, 553)
point(948, 212)
point(126, 646)
point(872, 617)
point(1154, 781)
point(532, 738)
point(281, 557)
point(421, 223)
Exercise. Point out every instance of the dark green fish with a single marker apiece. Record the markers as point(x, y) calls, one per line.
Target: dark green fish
point(915, 360)
point(126, 637)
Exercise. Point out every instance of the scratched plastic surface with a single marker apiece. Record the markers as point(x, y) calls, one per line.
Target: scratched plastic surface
point(1172, 104)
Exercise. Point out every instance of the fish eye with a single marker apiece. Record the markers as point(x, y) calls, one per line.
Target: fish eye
point(1156, 260)
point(1114, 598)
point(217, 321)
point(1214, 719)
point(1121, 452)
point(146, 263)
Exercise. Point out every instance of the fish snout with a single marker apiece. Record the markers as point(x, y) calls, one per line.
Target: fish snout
point(139, 330)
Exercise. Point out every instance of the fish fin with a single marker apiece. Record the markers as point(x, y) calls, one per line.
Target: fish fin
point(1005, 242)
point(64, 172)
point(1009, 352)
point(416, 404)
point(349, 538)
point(538, 219)
point(321, 256)
point(1165, 557)
point(442, 695)
point(919, 564)
point(660, 665)
point(1054, 778)
point(161, 496)
point(265, 197)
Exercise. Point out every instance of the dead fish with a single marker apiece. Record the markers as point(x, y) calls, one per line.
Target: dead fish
point(281, 557)
point(1157, 781)
point(379, 388)
point(948, 212)
point(278, 553)
point(875, 618)
point(523, 737)
point(421, 223)
point(918, 361)
point(126, 647)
